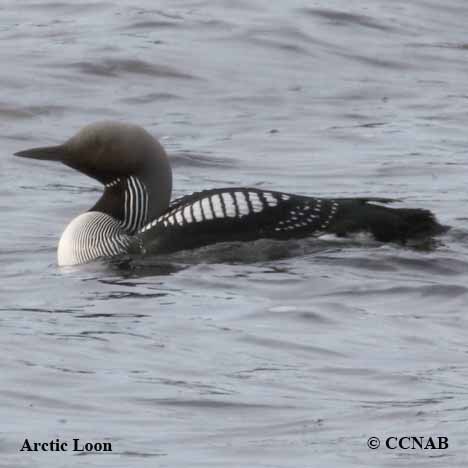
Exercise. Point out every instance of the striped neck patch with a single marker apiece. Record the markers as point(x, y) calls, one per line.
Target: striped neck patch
point(136, 202)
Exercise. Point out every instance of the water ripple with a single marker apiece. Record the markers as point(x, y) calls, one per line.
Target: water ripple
point(109, 67)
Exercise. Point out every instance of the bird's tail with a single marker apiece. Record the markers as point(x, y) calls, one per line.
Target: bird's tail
point(420, 223)
point(388, 224)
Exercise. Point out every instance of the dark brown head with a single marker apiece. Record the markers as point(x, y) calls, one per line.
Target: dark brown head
point(113, 151)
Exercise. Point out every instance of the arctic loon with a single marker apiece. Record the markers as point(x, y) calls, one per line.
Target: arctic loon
point(135, 213)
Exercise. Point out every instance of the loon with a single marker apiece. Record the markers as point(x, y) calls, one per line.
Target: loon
point(135, 213)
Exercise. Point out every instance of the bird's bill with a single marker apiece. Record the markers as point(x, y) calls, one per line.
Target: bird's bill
point(47, 153)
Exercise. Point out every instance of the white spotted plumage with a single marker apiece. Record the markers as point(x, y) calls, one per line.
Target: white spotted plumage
point(217, 206)
point(179, 218)
point(197, 211)
point(112, 183)
point(187, 214)
point(270, 199)
point(206, 209)
point(315, 215)
point(256, 202)
point(229, 205)
point(242, 204)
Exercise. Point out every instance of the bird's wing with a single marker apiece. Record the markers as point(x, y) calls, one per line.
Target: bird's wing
point(237, 214)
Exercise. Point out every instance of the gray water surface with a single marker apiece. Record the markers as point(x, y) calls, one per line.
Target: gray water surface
point(262, 355)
